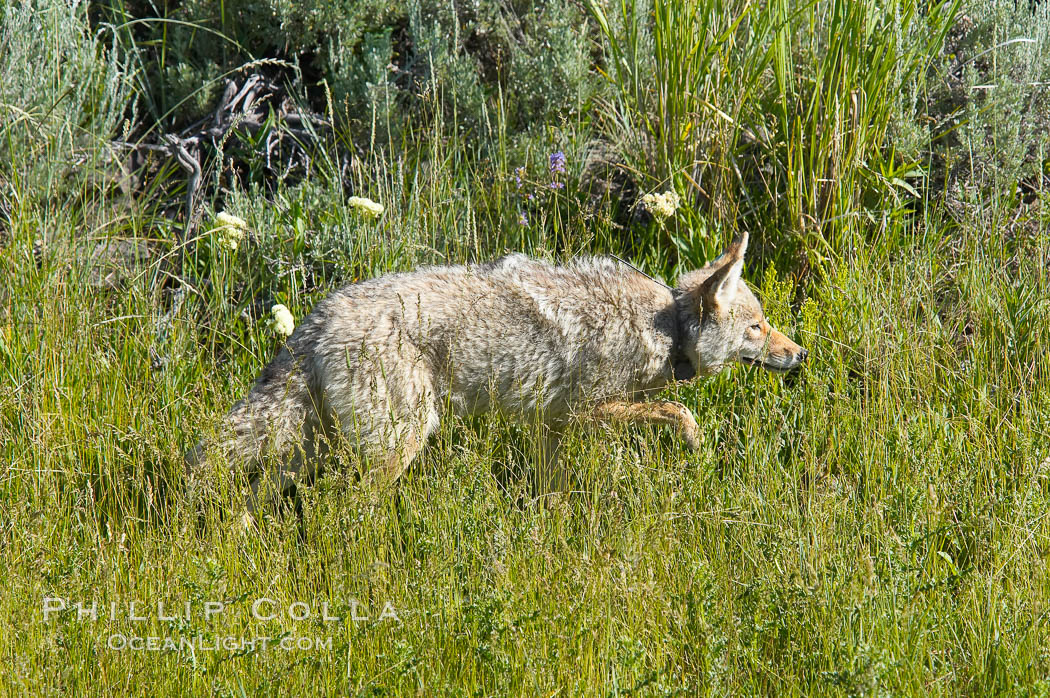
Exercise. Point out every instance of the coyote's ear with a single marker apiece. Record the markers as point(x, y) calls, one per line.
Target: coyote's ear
point(721, 285)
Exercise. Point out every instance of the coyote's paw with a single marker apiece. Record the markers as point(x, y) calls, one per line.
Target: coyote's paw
point(686, 424)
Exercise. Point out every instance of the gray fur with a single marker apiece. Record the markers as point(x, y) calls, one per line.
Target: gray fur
point(384, 360)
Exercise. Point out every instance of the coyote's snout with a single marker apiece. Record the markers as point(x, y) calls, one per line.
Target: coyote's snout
point(379, 363)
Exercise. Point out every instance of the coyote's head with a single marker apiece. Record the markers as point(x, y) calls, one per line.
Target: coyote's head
point(722, 320)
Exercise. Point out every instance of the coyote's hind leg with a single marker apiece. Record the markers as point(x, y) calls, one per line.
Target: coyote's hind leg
point(389, 410)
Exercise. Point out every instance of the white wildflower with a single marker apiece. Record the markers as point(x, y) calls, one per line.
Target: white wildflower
point(229, 238)
point(281, 320)
point(662, 206)
point(231, 220)
point(366, 206)
point(229, 230)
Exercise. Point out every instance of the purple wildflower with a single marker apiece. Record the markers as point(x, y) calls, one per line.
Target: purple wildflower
point(557, 185)
point(519, 172)
point(522, 218)
point(557, 163)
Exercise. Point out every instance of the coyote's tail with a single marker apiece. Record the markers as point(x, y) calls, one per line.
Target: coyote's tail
point(269, 422)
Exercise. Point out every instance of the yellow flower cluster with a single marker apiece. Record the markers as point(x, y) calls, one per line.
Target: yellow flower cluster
point(662, 206)
point(229, 230)
point(281, 320)
point(368, 207)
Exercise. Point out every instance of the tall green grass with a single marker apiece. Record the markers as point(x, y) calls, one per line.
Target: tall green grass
point(772, 115)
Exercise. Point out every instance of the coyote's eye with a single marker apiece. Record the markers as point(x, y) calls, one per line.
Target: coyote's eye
point(757, 327)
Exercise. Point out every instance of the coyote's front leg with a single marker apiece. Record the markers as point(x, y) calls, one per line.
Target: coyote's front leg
point(659, 411)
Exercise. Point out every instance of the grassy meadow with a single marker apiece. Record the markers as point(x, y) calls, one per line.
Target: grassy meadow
point(877, 524)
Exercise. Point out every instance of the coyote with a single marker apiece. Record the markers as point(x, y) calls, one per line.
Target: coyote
point(381, 361)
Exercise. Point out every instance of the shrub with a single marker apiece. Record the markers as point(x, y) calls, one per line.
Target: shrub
point(989, 104)
point(61, 90)
point(385, 63)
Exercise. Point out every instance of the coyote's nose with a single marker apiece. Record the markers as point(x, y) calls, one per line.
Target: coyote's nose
point(802, 355)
